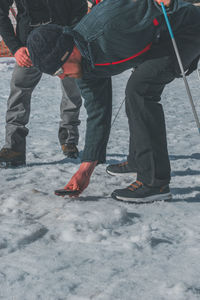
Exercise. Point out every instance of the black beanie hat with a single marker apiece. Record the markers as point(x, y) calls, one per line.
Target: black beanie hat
point(47, 44)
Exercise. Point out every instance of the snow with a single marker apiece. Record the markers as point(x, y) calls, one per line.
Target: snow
point(93, 247)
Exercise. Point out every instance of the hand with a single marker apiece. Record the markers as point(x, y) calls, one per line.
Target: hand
point(165, 2)
point(23, 58)
point(81, 178)
point(89, 10)
point(89, 6)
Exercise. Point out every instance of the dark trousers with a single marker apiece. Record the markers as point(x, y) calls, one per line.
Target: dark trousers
point(148, 145)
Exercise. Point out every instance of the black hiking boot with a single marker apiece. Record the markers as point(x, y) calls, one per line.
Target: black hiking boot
point(70, 150)
point(137, 192)
point(121, 169)
point(11, 158)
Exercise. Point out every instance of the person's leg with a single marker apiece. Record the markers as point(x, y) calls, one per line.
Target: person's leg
point(69, 112)
point(146, 120)
point(148, 145)
point(23, 82)
point(124, 168)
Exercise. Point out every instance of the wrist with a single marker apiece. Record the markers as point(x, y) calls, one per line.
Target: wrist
point(87, 167)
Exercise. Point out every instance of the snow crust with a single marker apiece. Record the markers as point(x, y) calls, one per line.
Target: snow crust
point(93, 247)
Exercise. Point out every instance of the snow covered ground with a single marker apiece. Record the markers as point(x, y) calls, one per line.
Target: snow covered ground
point(54, 248)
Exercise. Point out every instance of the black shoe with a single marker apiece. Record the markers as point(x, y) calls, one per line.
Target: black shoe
point(121, 169)
point(70, 150)
point(11, 158)
point(137, 192)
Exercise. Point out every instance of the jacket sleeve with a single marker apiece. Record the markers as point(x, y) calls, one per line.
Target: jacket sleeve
point(79, 10)
point(6, 27)
point(97, 94)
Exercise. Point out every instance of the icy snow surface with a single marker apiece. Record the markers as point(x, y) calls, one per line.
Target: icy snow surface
point(54, 248)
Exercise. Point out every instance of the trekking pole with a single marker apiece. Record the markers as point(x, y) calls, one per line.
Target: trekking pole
point(118, 112)
point(181, 66)
point(198, 74)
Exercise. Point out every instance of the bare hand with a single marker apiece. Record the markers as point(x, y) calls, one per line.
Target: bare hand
point(165, 2)
point(81, 178)
point(23, 58)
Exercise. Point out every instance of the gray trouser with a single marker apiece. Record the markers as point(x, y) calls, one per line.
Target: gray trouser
point(23, 82)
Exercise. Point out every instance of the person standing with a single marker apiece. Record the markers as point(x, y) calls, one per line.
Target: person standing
point(25, 77)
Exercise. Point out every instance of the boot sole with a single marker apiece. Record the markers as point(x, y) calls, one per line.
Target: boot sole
point(71, 155)
point(150, 199)
point(12, 164)
point(121, 174)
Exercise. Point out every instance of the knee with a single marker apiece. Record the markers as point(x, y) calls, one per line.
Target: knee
point(134, 86)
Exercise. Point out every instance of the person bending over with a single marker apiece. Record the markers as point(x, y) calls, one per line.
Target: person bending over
point(104, 43)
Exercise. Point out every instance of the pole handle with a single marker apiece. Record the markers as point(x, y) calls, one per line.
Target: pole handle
point(167, 20)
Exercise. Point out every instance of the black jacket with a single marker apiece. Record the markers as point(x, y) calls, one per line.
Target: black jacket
point(118, 35)
point(33, 12)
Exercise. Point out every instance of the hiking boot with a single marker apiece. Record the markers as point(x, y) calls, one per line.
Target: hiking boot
point(121, 169)
point(137, 192)
point(11, 158)
point(70, 150)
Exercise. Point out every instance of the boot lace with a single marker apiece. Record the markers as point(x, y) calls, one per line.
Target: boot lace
point(135, 185)
point(5, 151)
point(123, 164)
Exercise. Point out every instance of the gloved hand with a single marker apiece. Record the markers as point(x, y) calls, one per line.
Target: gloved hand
point(23, 58)
point(165, 2)
point(169, 4)
point(81, 178)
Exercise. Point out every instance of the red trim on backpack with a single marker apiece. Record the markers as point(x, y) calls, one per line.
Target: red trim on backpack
point(97, 1)
point(155, 22)
point(126, 59)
